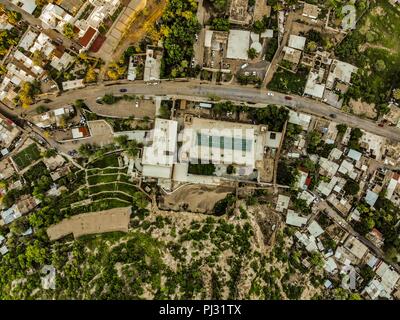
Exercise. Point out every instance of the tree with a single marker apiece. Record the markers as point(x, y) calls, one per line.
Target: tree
point(355, 136)
point(13, 17)
point(230, 169)
point(252, 53)
point(220, 24)
point(317, 260)
point(86, 149)
point(219, 5)
point(286, 175)
point(380, 65)
point(68, 31)
point(27, 93)
point(132, 148)
point(121, 140)
point(50, 153)
point(351, 187)
point(396, 93)
point(3, 69)
point(41, 3)
point(41, 109)
point(63, 121)
point(341, 128)
point(311, 46)
point(37, 58)
point(91, 75)
point(259, 26)
point(34, 253)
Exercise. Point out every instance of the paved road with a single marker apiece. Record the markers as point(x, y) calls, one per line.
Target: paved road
point(228, 92)
point(35, 22)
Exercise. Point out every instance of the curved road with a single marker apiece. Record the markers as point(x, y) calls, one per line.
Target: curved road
point(229, 92)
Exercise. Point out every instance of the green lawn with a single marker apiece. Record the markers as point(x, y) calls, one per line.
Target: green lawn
point(103, 187)
point(110, 160)
point(27, 156)
point(104, 204)
point(92, 180)
point(129, 189)
point(115, 194)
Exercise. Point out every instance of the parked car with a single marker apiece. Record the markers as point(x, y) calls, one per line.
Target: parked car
point(288, 98)
point(270, 94)
point(332, 115)
point(137, 104)
point(123, 90)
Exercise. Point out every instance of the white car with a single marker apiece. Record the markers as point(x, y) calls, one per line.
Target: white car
point(270, 94)
point(137, 104)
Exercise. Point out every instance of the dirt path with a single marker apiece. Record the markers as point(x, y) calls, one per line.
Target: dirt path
point(366, 46)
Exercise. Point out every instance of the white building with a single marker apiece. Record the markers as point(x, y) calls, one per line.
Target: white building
point(55, 17)
point(61, 63)
point(341, 71)
point(223, 142)
point(73, 84)
point(27, 5)
point(300, 119)
point(297, 42)
point(102, 9)
point(282, 203)
point(152, 65)
point(294, 219)
point(238, 44)
point(158, 158)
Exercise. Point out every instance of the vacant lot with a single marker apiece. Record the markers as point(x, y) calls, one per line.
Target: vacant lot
point(27, 156)
point(90, 223)
point(194, 198)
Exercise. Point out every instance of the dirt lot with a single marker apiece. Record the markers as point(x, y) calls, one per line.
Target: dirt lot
point(90, 223)
point(362, 108)
point(198, 198)
point(125, 109)
point(102, 134)
point(268, 222)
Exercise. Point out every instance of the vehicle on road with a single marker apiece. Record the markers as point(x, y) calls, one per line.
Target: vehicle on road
point(288, 98)
point(123, 90)
point(270, 94)
point(47, 100)
point(137, 104)
point(332, 115)
point(99, 100)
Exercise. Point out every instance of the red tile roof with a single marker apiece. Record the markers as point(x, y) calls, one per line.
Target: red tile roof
point(87, 37)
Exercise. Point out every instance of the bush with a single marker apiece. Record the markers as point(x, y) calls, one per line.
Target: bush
point(206, 169)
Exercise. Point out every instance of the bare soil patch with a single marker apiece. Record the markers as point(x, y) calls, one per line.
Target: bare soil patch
point(116, 219)
point(361, 108)
point(194, 198)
